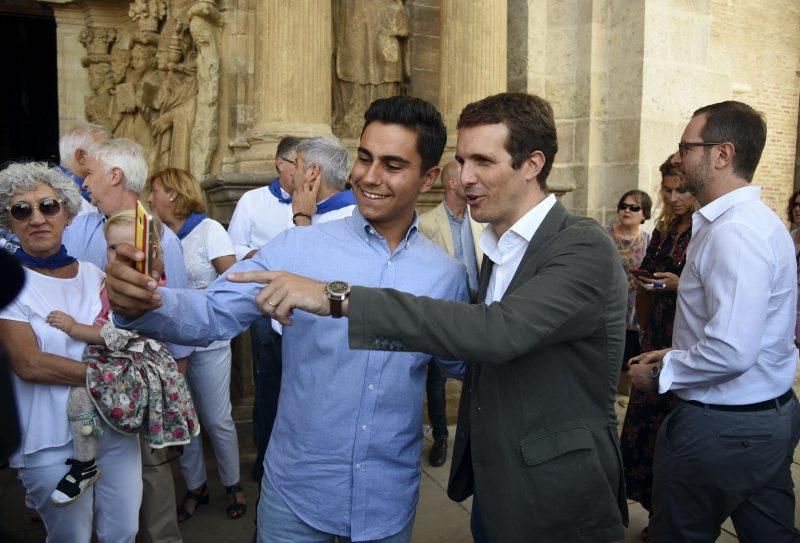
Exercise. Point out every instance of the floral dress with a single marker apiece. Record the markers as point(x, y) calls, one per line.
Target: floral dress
point(135, 386)
point(631, 252)
point(646, 410)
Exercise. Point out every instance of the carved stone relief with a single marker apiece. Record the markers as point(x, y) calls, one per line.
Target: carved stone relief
point(372, 58)
point(157, 82)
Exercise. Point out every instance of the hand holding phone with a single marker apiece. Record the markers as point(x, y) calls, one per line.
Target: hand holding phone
point(641, 274)
point(143, 238)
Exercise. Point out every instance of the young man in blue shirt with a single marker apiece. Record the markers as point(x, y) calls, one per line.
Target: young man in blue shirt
point(343, 458)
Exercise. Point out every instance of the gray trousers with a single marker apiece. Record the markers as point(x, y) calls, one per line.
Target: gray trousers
point(710, 465)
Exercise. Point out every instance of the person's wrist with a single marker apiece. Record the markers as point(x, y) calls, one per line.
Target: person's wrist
point(301, 218)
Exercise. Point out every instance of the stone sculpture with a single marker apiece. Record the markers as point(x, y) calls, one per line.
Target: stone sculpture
point(372, 60)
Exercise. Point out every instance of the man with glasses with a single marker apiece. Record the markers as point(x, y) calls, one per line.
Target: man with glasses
point(726, 449)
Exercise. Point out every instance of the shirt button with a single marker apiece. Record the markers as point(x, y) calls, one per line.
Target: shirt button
point(370, 386)
point(388, 262)
point(358, 466)
point(363, 427)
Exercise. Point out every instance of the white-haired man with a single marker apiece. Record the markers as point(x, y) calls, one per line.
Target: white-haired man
point(72, 147)
point(116, 172)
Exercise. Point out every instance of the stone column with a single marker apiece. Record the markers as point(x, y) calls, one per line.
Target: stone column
point(293, 77)
point(473, 57)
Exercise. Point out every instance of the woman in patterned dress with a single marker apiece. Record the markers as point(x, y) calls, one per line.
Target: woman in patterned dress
point(656, 303)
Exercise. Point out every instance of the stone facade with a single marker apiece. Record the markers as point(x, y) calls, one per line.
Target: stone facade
point(221, 81)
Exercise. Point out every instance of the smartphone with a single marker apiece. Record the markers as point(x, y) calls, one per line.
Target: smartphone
point(143, 238)
point(642, 274)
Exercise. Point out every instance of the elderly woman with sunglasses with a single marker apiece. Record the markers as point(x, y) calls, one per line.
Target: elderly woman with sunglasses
point(36, 204)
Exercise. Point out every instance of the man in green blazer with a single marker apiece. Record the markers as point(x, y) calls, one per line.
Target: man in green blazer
point(536, 443)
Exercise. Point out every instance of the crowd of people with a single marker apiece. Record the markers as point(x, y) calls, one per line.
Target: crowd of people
point(358, 308)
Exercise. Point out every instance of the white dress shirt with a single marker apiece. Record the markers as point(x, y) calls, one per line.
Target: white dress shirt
point(507, 252)
point(259, 216)
point(734, 327)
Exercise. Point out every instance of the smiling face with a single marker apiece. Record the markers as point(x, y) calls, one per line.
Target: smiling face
point(496, 193)
point(387, 176)
point(40, 235)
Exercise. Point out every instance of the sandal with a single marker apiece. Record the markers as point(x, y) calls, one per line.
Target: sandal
point(200, 498)
point(236, 509)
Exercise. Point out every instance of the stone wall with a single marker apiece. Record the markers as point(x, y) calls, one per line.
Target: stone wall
point(625, 77)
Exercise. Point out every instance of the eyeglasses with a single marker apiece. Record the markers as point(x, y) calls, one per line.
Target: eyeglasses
point(23, 211)
point(632, 207)
point(290, 161)
point(684, 146)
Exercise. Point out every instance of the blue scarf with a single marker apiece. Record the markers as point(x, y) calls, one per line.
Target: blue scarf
point(337, 201)
point(190, 224)
point(52, 262)
point(78, 181)
point(275, 189)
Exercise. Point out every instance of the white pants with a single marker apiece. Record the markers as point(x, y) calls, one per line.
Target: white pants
point(113, 504)
point(210, 382)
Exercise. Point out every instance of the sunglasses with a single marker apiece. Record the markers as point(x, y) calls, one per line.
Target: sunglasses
point(23, 211)
point(631, 207)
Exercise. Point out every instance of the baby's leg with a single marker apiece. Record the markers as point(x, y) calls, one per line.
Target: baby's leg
point(83, 423)
point(85, 426)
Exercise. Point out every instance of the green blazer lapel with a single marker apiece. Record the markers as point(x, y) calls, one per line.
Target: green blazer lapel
point(552, 224)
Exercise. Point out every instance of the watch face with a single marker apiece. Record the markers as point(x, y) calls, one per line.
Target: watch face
point(338, 288)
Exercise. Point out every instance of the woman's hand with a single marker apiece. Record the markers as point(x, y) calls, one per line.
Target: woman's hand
point(60, 320)
point(670, 280)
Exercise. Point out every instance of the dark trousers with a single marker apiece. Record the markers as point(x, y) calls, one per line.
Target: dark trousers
point(476, 523)
point(437, 404)
point(711, 464)
point(267, 366)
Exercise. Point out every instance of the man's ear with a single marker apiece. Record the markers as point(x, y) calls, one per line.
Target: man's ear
point(117, 176)
point(725, 156)
point(80, 156)
point(533, 165)
point(314, 173)
point(430, 178)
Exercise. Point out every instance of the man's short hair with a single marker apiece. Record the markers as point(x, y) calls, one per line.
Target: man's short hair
point(286, 146)
point(530, 123)
point(418, 115)
point(330, 155)
point(125, 154)
point(741, 125)
point(80, 137)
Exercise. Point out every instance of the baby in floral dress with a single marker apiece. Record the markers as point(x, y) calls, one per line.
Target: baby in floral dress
point(132, 384)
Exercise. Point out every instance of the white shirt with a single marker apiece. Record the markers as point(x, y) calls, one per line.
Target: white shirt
point(507, 252)
point(43, 407)
point(734, 326)
point(207, 241)
point(259, 216)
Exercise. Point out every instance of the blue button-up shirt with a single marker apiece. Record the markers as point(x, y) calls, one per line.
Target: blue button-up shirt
point(84, 240)
point(344, 452)
point(464, 245)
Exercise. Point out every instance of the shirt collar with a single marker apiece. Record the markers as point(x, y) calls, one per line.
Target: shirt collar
point(713, 210)
point(522, 230)
point(451, 215)
point(364, 229)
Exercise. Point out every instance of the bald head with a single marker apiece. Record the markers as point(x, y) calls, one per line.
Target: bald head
point(451, 174)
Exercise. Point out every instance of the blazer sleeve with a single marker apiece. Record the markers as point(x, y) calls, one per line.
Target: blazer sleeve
point(560, 297)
